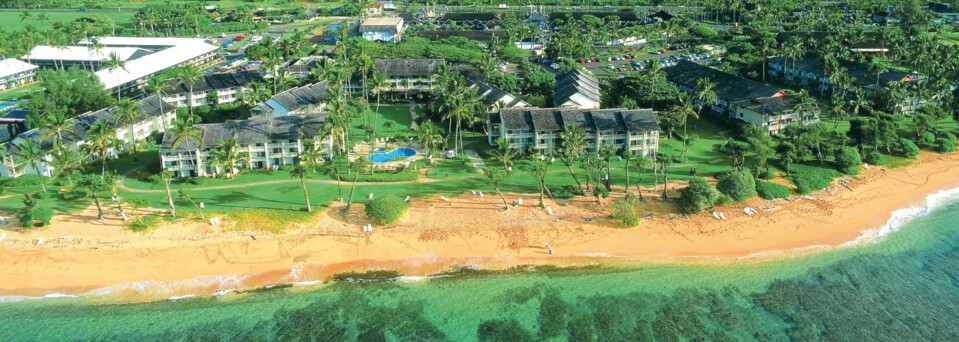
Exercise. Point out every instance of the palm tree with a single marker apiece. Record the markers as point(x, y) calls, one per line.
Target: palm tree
point(311, 154)
point(185, 196)
point(99, 140)
point(299, 171)
point(181, 130)
point(684, 109)
point(539, 169)
point(190, 74)
point(157, 85)
point(129, 113)
point(804, 104)
point(572, 143)
point(504, 153)
point(332, 169)
point(494, 178)
point(65, 163)
point(254, 93)
point(166, 178)
point(653, 73)
point(112, 182)
point(93, 185)
point(4, 157)
point(228, 154)
point(377, 86)
point(57, 125)
point(115, 64)
point(357, 166)
point(32, 153)
point(431, 137)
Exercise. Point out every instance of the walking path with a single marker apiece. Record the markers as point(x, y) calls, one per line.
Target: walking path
point(475, 159)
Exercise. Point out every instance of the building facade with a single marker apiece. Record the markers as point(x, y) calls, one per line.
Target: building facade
point(264, 143)
point(540, 128)
point(405, 78)
point(310, 98)
point(16, 74)
point(228, 87)
point(742, 99)
point(389, 29)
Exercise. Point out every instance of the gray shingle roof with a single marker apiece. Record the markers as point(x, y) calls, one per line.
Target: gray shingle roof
point(408, 67)
point(858, 71)
point(300, 97)
point(729, 87)
point(492, 95)
point(572, 83)
point(252, 131)
point(551, 119)
point(216, 81)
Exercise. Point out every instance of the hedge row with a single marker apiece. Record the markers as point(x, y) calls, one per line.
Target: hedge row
point(771, 191)
point(811, 178)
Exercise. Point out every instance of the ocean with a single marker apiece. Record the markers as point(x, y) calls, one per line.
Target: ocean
point(902, 286)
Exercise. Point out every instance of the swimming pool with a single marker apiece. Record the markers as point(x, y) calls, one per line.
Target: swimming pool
point(385, 157)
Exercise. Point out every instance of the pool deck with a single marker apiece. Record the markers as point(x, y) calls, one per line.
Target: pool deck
point(363, 149)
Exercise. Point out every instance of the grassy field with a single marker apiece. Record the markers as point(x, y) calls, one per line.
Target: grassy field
point(398, 114)
point(11, 20)
point(18, 93)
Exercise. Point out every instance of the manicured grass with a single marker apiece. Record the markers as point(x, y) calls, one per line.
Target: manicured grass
point(18, 93)
point(11, 20)
point(398, 114)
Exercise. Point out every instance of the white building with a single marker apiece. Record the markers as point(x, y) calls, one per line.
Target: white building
point(84, 57)
point(310, 98)
point(388, 29)
point(228, 86)
point(267, 142)
point(15, 74)
point(540, 128)
point(157, 118)
point(166, 53)
point(576, 89)
point(404, 77)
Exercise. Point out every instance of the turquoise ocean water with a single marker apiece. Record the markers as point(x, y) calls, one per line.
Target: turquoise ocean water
point(902, 287)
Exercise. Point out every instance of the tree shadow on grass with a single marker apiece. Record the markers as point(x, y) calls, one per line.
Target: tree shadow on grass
point(239, 199)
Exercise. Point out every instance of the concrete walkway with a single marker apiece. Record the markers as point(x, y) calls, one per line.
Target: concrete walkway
point(475, 159)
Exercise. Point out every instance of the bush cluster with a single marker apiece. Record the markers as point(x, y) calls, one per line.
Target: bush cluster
point(738, 185)
point(811, 178)
point(848, 160)
point(24, 180)
point(771, 191)
point(624, 212)
point(386, 209)
point(944, 145)
point(875, 158)
point(698, 195)
point(565, 192)
point(908, 148)
point(198, 180)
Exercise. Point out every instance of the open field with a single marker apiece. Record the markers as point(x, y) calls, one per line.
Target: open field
point(11, 20)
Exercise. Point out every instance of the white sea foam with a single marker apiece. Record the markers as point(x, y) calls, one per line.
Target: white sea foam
point(181, 297)
point(307, 283)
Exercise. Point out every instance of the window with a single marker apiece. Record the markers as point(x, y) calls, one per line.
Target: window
point(277, 150)
point(293, 149)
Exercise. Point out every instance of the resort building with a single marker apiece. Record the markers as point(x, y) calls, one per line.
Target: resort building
point(227, 86)
point(389, 29)
point(79, 56)
point(495, 98)
point(576, 89)
point(157, 116)
point(404, 77)
point(310, 98)
point(540, 128)
point(267, 142)
point(16, 74)
point(166, 53)
point(742, 99)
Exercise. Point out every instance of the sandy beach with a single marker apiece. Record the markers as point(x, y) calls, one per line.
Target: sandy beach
point(80, 254)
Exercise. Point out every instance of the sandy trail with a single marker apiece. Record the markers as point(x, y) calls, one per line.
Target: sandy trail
point(192, 257)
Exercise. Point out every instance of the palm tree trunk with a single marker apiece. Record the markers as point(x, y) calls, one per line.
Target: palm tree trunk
point(352, 189)
point(578, 184)
point(169, 198)
point(97, 202)
point(665, 180)
point(502, 197)
point(626, 188)
point(339, 190)
point(133, 142)
point(306, 195)
point(42, 186)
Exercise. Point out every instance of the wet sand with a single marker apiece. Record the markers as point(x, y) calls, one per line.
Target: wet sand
point(195, 258)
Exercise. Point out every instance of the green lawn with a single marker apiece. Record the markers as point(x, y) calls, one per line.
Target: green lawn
point(11, 20)
point(398, 114)
point(18, 93)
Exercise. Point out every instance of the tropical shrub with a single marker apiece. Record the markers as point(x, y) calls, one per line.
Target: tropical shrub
point(41, 195)
point(24, 180)
point(848, 160)
point(739, 185)
point(944, 145)
point(875, 158)
point(698, 195)
point(812, 178)
point(766, 174)
point(198, 180)
point(565, 192)
point(908, 148)
point(724, 200)
point(35, 216)
point(927, 138)
point(386, 209)
point(624, 212)
point(771, 191)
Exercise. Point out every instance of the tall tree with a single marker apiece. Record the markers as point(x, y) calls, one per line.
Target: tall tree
point(495, 178)
point(299, 171)
point(129, 113)
point(92, 185)
point(357, 166)
point(190, 75)
point(66, 163)
point(33, 154)
point(504, 153)
point(572, 143)
point(182, 131)
point(115, 64)
point(99, 141)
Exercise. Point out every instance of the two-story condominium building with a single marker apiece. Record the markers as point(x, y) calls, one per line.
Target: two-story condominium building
point(157, 116)
point(810, 72)
point(576, 89)
point(266, 142)
point(541, 128)
point(16, 74)
point(495, 98)
point(310, 98)
point(228, 86)
point(742, 99)
point(388, 29)
point(404, 77)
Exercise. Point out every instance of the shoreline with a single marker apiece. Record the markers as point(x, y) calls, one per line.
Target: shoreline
point(182, 259)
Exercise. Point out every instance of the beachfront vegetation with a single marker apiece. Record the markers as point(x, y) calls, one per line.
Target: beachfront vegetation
point(771, 191)
point(848, 160)
point(386, 209)
point(738, 185)
point(696, 196)
point(624, 211)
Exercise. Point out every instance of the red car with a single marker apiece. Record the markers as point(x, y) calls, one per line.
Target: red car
point(239, 38)
point(581, 61)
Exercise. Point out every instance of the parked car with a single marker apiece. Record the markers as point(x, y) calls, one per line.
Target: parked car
point(239, 38)
point(223, 35)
